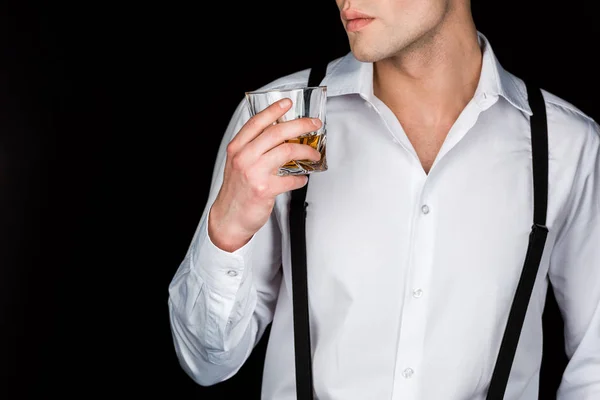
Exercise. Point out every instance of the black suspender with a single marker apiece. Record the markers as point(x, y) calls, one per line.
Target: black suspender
point(537, 239)
point(302, 349)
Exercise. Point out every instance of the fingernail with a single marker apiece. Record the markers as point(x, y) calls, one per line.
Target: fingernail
point(316, 122)
point(284, 103)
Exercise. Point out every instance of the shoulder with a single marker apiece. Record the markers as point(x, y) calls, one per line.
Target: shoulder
point(292, 80)
point(564, 118)
point(567, 119)
point(296, 78)
point(574, 136)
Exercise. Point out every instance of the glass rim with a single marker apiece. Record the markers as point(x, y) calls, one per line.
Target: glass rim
point(281, 90)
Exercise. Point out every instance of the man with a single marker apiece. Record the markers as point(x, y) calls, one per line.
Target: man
point(416, 234)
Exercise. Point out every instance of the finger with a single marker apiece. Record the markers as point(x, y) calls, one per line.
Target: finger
point(277, 134)
point(284, 184)
point(278, 156)
point(257, 123)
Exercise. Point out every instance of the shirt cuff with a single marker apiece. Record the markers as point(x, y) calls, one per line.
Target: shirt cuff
point(215, 266)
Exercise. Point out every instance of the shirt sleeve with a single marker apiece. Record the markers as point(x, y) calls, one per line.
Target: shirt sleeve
point(220, 302)
point(575, 276)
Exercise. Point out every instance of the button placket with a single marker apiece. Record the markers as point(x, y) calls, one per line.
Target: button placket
point(411, 343)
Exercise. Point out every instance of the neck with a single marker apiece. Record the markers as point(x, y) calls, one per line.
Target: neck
point(430, 82)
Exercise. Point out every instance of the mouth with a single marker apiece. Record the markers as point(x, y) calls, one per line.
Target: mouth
point(355, 20)
point(355, 25)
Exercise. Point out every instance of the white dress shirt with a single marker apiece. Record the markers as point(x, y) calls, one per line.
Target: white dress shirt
point(410, 275)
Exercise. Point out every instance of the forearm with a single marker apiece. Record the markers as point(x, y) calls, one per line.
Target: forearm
point(223, 295)
point(211, 305)
point(211, 346)
point(220, 303)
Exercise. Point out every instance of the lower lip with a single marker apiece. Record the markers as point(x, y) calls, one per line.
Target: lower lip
point(357, 24)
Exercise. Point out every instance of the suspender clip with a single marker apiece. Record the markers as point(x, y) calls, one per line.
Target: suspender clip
point(540, 227)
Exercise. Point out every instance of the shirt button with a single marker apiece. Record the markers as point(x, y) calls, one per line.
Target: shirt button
point(425, 209)
point(417, 293)
point(408, 372)
point(232, 273)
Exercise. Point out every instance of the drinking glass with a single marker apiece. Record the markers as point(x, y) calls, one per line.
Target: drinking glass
point(306, 102)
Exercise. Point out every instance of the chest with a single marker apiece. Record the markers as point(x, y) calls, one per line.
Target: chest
point(366, 211)
point(426, 141)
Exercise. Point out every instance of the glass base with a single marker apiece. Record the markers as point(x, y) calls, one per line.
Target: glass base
point(303, 167)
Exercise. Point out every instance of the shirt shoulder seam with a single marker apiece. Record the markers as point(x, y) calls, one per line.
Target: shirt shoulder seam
point(569, 108)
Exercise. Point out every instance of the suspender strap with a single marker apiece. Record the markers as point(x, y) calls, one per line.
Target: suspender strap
point(537, 239)
point(297, 216)
point(317, 73)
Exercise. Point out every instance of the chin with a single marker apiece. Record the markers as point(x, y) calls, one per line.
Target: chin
point(369, 48)
point(366, 53)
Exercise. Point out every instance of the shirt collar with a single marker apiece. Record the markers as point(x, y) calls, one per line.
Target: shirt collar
point(347, 75)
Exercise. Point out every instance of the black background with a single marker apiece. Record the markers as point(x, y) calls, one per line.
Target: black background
point(110, 119)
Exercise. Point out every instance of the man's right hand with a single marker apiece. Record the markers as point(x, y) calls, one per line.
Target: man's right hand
point(250, 181)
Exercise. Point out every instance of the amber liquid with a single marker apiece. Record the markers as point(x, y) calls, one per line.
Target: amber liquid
point(314, 141)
